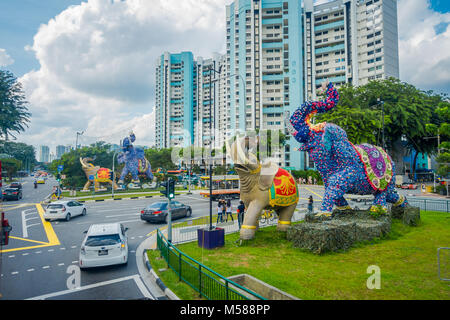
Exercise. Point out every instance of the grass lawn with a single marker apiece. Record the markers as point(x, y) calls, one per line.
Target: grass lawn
point(407, 259)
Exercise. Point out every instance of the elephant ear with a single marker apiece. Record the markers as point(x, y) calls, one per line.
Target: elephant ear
point(268, 172)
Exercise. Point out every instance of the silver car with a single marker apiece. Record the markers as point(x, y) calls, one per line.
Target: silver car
point(104, 244)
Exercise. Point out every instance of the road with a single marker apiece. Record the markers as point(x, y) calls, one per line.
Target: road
point(41, 260)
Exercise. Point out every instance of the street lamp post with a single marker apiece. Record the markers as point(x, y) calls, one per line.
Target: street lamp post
point(78, 134)
point(114, 174)
point(211, 70)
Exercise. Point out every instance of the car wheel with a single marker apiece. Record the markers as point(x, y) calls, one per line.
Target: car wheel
point(68, 217)
point(188, 213)
point(84, 212)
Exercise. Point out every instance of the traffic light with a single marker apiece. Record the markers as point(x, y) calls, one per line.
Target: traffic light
point(171, 191)
point(164, 184)
point(169, 188)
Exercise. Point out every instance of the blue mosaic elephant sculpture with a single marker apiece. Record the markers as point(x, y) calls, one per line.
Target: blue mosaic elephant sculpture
point(345, 168)
point(135, 161)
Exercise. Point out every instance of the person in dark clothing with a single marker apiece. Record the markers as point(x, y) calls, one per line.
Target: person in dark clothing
point(310, 204)
point(240, 211)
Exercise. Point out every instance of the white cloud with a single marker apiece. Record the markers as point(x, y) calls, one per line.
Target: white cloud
point(5, 59)
point(98, 65)
point(424, 53)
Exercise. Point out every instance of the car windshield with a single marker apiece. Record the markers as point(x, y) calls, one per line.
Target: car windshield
point(158, 205)
point(55, 206)
point(102, 240)
point(11, 189)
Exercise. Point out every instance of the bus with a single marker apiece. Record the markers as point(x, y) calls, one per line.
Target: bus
point(224, 186)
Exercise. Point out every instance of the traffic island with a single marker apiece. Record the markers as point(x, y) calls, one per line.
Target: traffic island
point(340, 231)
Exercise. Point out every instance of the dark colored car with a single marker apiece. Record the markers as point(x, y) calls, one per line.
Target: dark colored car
point(12, 194)
point(158, 211)
point(16, 185)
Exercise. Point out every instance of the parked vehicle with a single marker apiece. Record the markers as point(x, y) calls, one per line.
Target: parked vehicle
point(158, 211)
point(64, 209)
point(104, 245)
point(407, 185)
point(12, 193)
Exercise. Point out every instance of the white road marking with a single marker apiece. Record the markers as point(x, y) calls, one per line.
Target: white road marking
point(29, 270)
point(45, 267)
point(14, 272)
point(136, 279)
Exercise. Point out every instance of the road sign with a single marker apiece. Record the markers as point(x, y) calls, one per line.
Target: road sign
point(60, 168)
point(91, 177)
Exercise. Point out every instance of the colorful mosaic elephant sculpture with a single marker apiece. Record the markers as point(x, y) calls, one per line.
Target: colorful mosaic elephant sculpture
point(135, 161)
point(95, 174)
point(263, 186)
point(345, 168)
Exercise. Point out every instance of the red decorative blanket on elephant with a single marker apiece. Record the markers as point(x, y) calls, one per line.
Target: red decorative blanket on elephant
point(283, 191)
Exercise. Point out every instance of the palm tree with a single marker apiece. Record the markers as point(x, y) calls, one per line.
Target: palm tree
point(14, 115)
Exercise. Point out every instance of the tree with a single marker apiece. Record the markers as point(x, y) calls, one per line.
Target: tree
point(408, 112)
point(11, 166)
point(20, 151)
point(14, 115)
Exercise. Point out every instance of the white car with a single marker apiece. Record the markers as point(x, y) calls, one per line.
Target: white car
point(104, 245)
point(64, 209)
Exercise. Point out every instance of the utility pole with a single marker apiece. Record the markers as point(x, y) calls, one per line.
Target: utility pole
point(78, 134)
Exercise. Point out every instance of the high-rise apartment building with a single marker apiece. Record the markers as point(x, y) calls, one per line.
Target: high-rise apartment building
point(351, 41)
point(44, 154)
point(265, 51)
point(174, 100)
point(278, 52)
point(211, 83)
point(60, 150)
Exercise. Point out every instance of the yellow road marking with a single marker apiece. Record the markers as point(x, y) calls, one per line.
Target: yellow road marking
point(29, 240)
point(314, 192)
point(51, 235)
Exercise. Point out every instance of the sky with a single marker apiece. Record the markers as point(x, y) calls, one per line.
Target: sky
point(89, 66)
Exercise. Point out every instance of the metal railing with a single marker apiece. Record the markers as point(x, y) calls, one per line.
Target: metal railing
point(423, 204)
point(186, 231)
point(208, 283)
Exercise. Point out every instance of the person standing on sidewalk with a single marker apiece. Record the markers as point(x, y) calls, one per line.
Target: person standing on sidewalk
point(229, 210)
point(219, 211)
point(240, 211)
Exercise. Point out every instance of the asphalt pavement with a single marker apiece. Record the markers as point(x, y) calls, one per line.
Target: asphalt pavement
point(41, 260)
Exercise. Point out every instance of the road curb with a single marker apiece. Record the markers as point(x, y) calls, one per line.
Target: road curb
point(169, 294)
point(115, 199)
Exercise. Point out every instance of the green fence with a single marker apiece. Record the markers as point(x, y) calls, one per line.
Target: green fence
point(206, 282)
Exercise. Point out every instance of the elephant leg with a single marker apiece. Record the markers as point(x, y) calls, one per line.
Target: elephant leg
point(87, 185)
point(342, 204)
point(123, 174)
point(285, 217)
point(393, 197)
point(338, 184)
point(380, 200)
point(250, 223)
